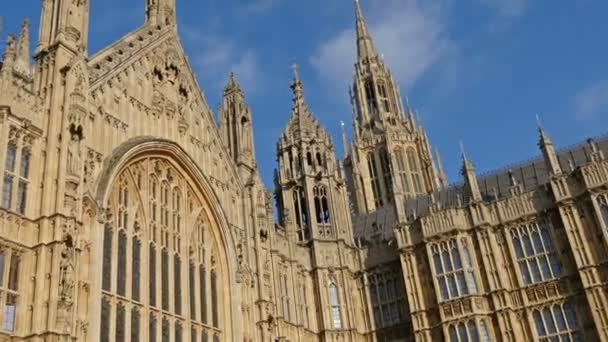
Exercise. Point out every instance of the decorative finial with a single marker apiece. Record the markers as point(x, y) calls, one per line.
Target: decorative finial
point(295, 68)
point(462, 151)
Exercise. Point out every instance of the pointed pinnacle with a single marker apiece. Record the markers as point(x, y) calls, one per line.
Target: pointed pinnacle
point(365, 44)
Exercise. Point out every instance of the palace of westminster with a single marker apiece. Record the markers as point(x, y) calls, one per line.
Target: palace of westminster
point(129, 214)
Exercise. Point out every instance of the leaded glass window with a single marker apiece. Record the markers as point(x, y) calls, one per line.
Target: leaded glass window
point(402, 169)
point(154, 214)
point(106, 311)
point(16, 173)
point(321, 204)
point(557, 322)
point(535, 254)
point(387, 296)
point(469, 331)
point(454, 274)
point(301, 213)
point(385, 163)
point(9, 291)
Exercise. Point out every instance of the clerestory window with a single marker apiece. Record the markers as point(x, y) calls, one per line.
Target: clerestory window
point(454, 271)
point(535, 253)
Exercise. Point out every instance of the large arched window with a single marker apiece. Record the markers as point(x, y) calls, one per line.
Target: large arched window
point(321, 204)
point(402, 169)
point(334, 302)
point(182, 278)
point(373, 174)
point(557, 322)
point(412, 160)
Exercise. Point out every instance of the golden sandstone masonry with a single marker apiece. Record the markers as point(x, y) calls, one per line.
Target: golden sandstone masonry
point(128, 214)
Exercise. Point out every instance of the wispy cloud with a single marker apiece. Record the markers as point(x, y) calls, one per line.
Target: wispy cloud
point(410, 34)
point(591, 101)
point(216, 56)
point(258, 6)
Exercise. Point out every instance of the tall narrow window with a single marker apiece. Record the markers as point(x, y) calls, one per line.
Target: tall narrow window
point(203, 294)
point(301, 213)
point(122, 263)
point(106, 309)
point(468, 331)
point(9, 168)
point(454, 278)
point(135, 324)
point(177, 288)
point(152, 328)
point(166, 330)
point(152, 274)
point(535, 254)
point(334, 302)
point(214, 299)
point(385, 162)
point(192, 290)
point(373, 173)
point(136, 269)
point(414, 170)
point(383, 97)
point(603, 202)
point(321, 204)
point(165, 279)
point(107, 258)
point(120, 323)
point(370, 97)
point(178, 332)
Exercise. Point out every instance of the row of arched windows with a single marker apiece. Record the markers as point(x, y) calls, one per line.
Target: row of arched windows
point(165, 307)
point(469, 331)
point(322, 214)
point(453, 267)
point(556, 323)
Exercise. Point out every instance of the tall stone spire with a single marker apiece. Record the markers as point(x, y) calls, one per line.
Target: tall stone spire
point(22, 57)
point(8, 57)
point(548, 150)
point(299, 104)
point(365, 43)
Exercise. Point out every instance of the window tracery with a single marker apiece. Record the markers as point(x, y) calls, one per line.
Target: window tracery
point(535, 253)
point(301, 212)
point(469, 331)
point(556, 322)
point(387, 296)
point(334, 302)
point(149, 206)
point(373, 173)
point(16, 172)
point(402, 169)
point(453, 267)
point(412, 161)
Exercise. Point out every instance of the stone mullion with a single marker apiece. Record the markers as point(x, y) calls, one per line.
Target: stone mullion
point(588, 274)
point(416, 297)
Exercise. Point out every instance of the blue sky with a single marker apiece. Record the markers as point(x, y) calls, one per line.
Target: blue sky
point(476, 70)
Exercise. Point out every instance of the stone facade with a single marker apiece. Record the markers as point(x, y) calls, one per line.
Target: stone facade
point(129, 214)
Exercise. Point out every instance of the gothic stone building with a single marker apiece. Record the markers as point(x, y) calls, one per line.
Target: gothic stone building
point(129, 214)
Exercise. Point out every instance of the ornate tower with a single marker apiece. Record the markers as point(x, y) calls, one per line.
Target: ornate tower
point(311, 192)
point(160, 12)
point(391, 157)
point(64, 22)
point(236, 126)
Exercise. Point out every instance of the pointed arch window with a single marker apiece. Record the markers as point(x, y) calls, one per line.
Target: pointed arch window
point(402, 169)
point(383, 97)
point(301, 213)
point(214, 299)
point(334, 302)
point(165, 279)
point(370, 97)
point(454, 273)
point(321, 204)
point(466, 331)
point(385, 162)
point(534, 251)
point(16, 173)
point(557, 322)
point(107, 257)
point(177, 286)
point(152, 273)
point(121, 279)
point(373, 173)
point(414, 170)
point(135, 269)
point(603, 203)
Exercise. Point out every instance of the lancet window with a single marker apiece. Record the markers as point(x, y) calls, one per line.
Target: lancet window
point(150, 207)
point(402, 169)
point(385, 162)
point(301, 213)
point(321, 204)
point(469, 331)
point(556, 322)
point(412, 160)
point(534, 250)
point(334, 302)
point(370, 97)
point(383, 97)
point(374, 177)
point(453, 267)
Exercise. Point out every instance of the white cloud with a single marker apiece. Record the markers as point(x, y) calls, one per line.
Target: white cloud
point(590, 101)
point(506, 8)
point(410, 34)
